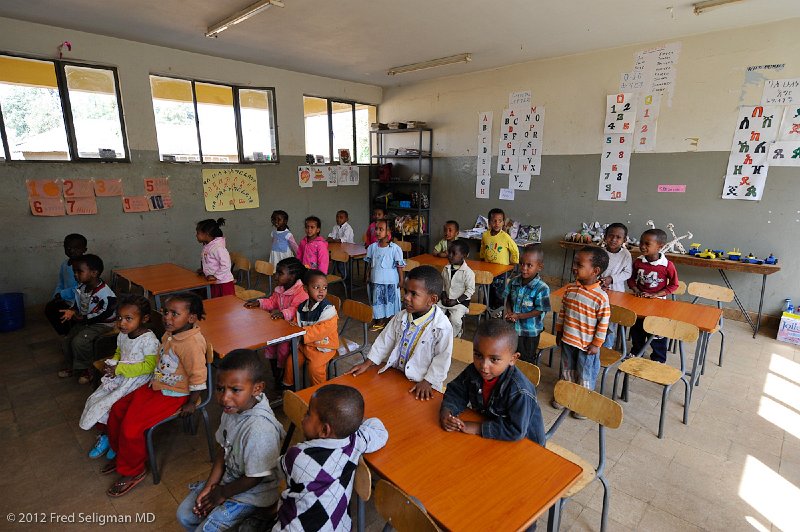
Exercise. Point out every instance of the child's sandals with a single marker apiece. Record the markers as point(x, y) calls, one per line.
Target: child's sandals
point(108, 468)
point(121, 487)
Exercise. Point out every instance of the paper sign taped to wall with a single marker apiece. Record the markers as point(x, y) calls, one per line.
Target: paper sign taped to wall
point(107, 187)
point(519, 99)
point(244, 186)
point(217, 192)
point(135, 204)
point(304, 176)
point(781, 92)
point(156, 185)
point(81, 205)
point(43, 188)
point(159, 202)
point(784, 153)
point(507, 194)
point(482, 187)
point(77, 188)
point(333, 175)
point(47, 206)
point(672, 188)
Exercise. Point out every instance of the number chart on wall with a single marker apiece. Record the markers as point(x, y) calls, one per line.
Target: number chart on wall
point(60, 197)
point(615, 157)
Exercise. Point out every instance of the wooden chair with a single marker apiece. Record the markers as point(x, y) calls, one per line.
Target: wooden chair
point(410, 265)
point(295, 409)
point(479, 307)
point(529, 370)
point(719, 294)
point(241, 267)
point(188, 422)
point(607, 414)
point(362, 486)
point(549, 339)
point(265, 268)
point(405, 246)
point(624, 318)
point(246, 295)
point(462, 350)
point(335, 301)
point(337, 255)
point(400, 511)
point(359, 312)
point(657, 372)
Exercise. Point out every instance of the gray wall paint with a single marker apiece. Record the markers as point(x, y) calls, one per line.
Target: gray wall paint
point(565, 195)
point(32, 246)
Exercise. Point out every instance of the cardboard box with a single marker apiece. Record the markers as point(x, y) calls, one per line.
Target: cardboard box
point(789, 328)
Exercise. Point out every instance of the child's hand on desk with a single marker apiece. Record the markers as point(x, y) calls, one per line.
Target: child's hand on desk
point(200, 272)
point(449, 422)
point(210, 278)
point(361, 368)
point(252, 304)
point(423, 390)
point(67, 314)
point(277, 315)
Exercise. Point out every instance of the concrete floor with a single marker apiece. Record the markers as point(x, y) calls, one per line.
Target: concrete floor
point(736, 466)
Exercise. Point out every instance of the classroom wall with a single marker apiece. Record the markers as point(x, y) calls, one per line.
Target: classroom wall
point(711, 83)
point(32, 247)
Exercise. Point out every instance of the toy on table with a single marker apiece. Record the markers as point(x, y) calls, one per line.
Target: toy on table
point(772, 259)
point(707, 254)
point(751, 259)
point(593, 232)
point(719, 253)
point(694, 249)
point(674, 245)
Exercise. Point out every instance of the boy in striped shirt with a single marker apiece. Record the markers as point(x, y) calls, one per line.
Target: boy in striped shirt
point(583, 320)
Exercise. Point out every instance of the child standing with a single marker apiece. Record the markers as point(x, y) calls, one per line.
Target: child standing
point(619, 269)
point(341, 232)
point(498, 247)
point(583, 320)
point(283, 243)
point(318, 317)
point(419, 340)
point(527, 301)
point(131, 367)
point(64, 294)
point(385, 262)
point(91, 313)
point(179, 377)
point(282, 304)
point(459, 285)
point(244, 477)
point(495, 388)
point(215, 260)
point(653, 276)
point(320, 471)
point(313, 249)
point(450, 234)
point(378, 213)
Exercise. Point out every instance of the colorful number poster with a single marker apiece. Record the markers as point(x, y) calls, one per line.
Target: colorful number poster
point(746, 174)
point(80, 205)
point(613, 182)
point(43, 188)
point(135, 204)
point(620, 113)
point(156, 185)
point(159, 202)
point(44, 206)
point(78, 188)
point(304, 176)
point(784, 153)
point(107, 187)
point(647, 112)
point(619, 128)
point(244, 186)
point(217, 192)
point(781, 92)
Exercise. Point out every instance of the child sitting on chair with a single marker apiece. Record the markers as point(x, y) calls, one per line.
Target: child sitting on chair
point(495, 388)
point(527, 301)
point(450, 235)
point(341, 232)
point(320, 471)
point(244, 477)
point(459, 285)
point(64, 294)
point(419, 340)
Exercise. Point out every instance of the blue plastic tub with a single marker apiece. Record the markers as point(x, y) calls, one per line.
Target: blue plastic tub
point(12, 312)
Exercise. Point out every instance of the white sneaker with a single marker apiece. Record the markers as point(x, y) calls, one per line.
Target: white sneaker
point(496, 313)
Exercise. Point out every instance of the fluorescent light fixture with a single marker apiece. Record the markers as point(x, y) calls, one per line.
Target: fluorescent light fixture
point(442, 61)
point(242, 15)
point(708, 5)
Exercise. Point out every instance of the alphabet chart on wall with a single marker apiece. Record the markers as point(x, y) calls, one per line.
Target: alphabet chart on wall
point(519, 149)
point(615, 157)
point(746, 175)
point(484, 165)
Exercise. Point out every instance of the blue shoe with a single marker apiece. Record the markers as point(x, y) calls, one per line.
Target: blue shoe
point(111, 454)
point(100, 447)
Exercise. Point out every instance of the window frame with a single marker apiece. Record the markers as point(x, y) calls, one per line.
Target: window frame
point(66, 113)
point(329, 105)
point(237, 116)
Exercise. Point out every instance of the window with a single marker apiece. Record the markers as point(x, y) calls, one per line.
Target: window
point(332, 125)
point(213, 123)
point(60, 111)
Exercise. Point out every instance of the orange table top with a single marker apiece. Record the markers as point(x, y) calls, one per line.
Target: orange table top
point(704, 317)
point(441, 262)
point(354, 250)
point(228, 326)
point(465, 482)
point(691, 260)
point(163, 278)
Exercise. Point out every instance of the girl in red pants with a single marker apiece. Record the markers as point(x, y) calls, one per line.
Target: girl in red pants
point(179, 377)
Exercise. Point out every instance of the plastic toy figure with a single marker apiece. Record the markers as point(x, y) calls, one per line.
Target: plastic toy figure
point(772, 259)
point(707, 254)
point(734, 254)
point(694, 249)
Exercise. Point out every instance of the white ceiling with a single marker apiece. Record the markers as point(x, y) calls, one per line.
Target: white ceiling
point(359, 40)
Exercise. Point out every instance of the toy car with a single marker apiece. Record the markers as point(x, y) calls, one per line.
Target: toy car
point(772, 259)
point(695, 249)
point(719, 253)
point(751, 259)
point(734, 254)
point(707, 254)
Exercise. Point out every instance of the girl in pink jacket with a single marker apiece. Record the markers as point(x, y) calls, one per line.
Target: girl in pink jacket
point(215, 260)
point(282, 304)
point(313, 249)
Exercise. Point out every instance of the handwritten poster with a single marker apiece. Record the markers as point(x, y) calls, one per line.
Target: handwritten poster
point(45, 206)
point(244, 187)
point(507, 194)
point(520, 99)
point(217, 191)
point(672, 188)
point(159, 202)
point(78, 188)
point(746, 175)
point(781, 92)
point(81, 205)
point(135, 204)
point(156, 185)
point(107, 187)
point(43, 188)
point(304, 176)
point(619, 127)
point(654, 71)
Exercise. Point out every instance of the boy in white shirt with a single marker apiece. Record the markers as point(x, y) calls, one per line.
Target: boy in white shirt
point(459, 284)
point(419, 340)
point(341, 232)
point(619, 269)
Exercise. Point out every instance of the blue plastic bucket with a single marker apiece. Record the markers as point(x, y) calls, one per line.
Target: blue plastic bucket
point(12, 312)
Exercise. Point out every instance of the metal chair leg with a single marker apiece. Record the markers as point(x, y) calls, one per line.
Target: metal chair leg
point(721, 346)
point(603, 380)
point(614, 389)
point(209, 436)
point(360, 514)
point(664, 396)
point(554, 516)
point(606, 503)
point(151, 454)
point(686, 392)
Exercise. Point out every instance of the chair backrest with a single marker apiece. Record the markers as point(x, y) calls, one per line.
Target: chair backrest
point(264, 268)
point(483, 277)
point(711, 291)
point(339, 256)
point(674, 329)
point(240, 262)
point(529, 370)
point(591, 404)
point(404, 245)
point(363, 480)
point(623, 316)
point(555, 303)
point(335, 301)
point(294, 407)
point(209, 353)
point(680, 290)
point(357, 311)
point(410, 265)
point(462, 350)
point(397, 508)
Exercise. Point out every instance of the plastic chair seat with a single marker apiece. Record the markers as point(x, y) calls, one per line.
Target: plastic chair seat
point(609, 357)
point(652, 371)
point(546, 341)
point(587, 475)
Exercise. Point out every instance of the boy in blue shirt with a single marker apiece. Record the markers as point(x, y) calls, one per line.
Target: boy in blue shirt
point(64, 294)
point(527, 300)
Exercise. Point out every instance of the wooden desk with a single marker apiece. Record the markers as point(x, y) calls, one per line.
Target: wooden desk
point(477, 265)
point(354, 251)
point(464, 482)
point(163, 279)
point(721, 265)
point(229, 325)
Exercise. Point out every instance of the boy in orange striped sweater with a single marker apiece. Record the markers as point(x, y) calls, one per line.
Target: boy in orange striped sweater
point(583, 320)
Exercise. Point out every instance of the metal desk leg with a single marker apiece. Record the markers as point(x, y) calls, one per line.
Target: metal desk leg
point(208, 289)
point(349, 273)
point(698, 353)
point(298, 379)
point(739, 302)
point(157, 298)
point(706, 338)
point(760, 304)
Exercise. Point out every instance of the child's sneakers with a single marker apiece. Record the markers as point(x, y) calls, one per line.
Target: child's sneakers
point(100, 447)
point(64, 373)
point(86, 377)
point(111, 454)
